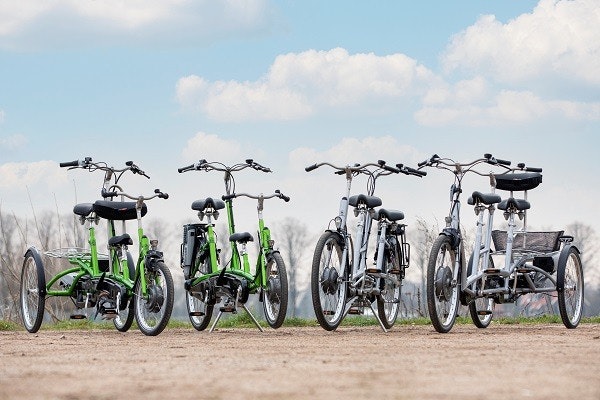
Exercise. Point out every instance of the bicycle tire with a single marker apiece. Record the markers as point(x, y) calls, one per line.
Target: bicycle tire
point(32, 291)
point(442, 291)
point(570, 285)
point(152, 314)
point(275, 300)
point(328, 282)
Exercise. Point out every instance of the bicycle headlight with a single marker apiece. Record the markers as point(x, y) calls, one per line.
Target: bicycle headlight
point(338, 222)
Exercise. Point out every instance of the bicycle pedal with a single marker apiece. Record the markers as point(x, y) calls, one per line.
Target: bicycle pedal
point(197, 314)
point(109, 314)
point(373, 271)
point(328, 312)
point(491, 271)
point(524, 270)
point(394, 271)
point(484, 312)
point(355, 311)
point(227, 309)
point(78, 316)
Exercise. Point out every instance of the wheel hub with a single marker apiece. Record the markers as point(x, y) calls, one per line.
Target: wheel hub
point(329, 280)
point(443, 283)
point(273, 289)
point(156, 298)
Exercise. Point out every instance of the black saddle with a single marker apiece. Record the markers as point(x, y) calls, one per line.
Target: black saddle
point(209, 202)
point(241, 237)
point(518, 181)
point(123, 239)
point(519, 204)
point(485, 198)
point(369, 201)
point(117, 210)
point(83, 209)
point(390, 215)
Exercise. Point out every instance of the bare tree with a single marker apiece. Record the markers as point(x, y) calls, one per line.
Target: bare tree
point(293, 237)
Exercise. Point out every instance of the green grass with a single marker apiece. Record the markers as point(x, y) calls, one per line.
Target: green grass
point(242, 320)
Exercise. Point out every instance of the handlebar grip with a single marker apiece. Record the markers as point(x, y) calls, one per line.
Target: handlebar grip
point(164, 195)
point(533, 169)
point(416, 172)
point(183, 169)
point(391, 169)
point(69, 164)
point(285, 198)
point(310, 168)
point(106, 194)
point(503, 162)
point(422, 163)
point(228, 196)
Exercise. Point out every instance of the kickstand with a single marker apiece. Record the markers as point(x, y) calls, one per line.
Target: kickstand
point(252, 317)
point(377, 316)
point(212, 328)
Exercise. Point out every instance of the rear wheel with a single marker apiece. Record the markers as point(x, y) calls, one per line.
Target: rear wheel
point(442, 287)
point(481, 308)
point(328, 281)
point(569, 284)
point(124, 318)
point(388, 302)
point(32, 291)
point(152, 311)
point(199, 304)
point(275, 299)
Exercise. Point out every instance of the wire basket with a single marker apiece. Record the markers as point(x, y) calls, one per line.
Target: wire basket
point(74, 252)
point(543, 242)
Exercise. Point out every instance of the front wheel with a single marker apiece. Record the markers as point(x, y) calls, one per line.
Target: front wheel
point(481, 308)
point(153, 310)
point(569, 284)
point(32, 291)
point(442, 286)
point(275, 300)
point(328, 281)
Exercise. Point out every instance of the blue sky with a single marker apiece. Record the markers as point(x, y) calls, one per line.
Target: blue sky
point(290, 83)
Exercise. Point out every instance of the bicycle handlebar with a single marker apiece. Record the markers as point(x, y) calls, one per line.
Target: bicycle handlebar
point(410, 171)
point(157, 193)
point(218, 166)
point(255, 197)
point(445, 163)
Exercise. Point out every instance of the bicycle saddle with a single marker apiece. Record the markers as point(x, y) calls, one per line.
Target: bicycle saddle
point(511, 202)
point(120, 240)
point(83, 209)
point(485, 198)
point(117, 210)
point(519, 181)
point(390, 215)
point(209, 202)
point(241, 237)
point(369, 201)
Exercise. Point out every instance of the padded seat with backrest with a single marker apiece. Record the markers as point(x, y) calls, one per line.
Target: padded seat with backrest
point(518, 182)
point(117, 210)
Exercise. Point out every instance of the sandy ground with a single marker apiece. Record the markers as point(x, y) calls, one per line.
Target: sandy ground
point(409, 362)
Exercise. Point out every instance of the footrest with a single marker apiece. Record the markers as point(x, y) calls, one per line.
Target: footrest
point(492, 271)
point(355, 311)
point(78, 316)
point(524, 270)
point(227, 309)
point(373, 271)
point(197, 314)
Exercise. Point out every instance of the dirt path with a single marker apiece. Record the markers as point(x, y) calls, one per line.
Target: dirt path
point(410, 362)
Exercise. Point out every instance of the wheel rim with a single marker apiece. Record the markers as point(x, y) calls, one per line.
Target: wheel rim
point(150, 310)
point(30, 296)
point(391, 300)
point(332, 289)
point(573, 292)
point(446, 292)
point(273, 294)
point(196, 305)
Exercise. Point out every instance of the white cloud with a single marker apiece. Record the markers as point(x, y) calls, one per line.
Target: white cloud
point(353, 150)
point(12, 142)
point(34, 24)
point(212, 148)
point(559, 38)
point(18, 175)
point(1, 116)
point(298, 85)
point(512, 107)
